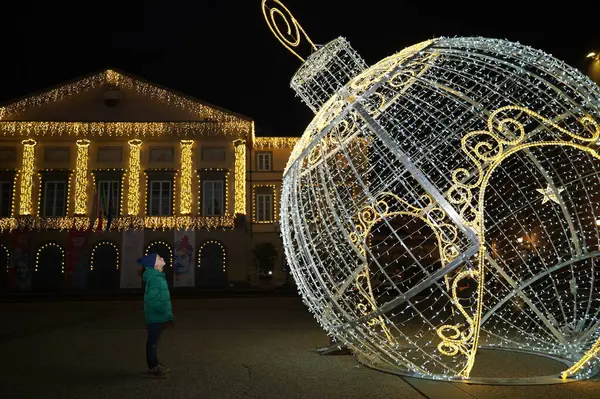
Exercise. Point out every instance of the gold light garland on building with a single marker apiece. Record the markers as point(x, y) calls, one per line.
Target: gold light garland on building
point(81, 176)
point(187, 161)
point(275, 142)
point(174, 193)
point(123, 129)
point(122, 188)
point(240, 176)
point(46, 245)
point(27, 171)
point(210, 122)
point(8, 224)
point(224, 258)
point(102, 243)
point(187, 222)
point(254, 216)
point(82, 223)
point(133, 191)
point(114, 78)
point(13, 196)
point(226, 210)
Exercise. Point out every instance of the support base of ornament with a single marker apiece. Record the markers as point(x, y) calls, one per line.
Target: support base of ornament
point(334, 349)
point(516, 381)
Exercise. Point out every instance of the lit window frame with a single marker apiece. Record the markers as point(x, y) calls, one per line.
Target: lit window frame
point(151, 197)
point(116, 203)
point(204, 199)
point(45, 198)
point(268, 218)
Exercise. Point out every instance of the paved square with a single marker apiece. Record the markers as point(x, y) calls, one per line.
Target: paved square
point(219, 348)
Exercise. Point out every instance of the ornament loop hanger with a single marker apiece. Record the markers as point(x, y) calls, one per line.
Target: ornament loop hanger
point(291, 36)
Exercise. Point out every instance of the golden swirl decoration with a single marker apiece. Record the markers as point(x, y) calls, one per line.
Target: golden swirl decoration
point(487, 149)
point(458, 341)
point(328, 112)
point(400, 82)
point(293, 30)
point(446, 233)
point(484, 147)
point(372, 75)
point(389, 205)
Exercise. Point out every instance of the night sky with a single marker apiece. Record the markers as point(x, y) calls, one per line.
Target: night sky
point(222, 51)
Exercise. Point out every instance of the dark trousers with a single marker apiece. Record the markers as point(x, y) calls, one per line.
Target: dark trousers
point(154, 330)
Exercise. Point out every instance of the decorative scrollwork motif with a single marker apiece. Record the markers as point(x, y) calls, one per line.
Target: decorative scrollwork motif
point(291, 36)
point(384, 67)
point(487, 149)
point(461, 334)
point(389, 205)
point(491, 146)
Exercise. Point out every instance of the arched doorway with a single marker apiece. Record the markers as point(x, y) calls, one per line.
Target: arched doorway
point(4, 264)
point(212, 263)
point(166, 252)
point(104, 267)
point(49, 272)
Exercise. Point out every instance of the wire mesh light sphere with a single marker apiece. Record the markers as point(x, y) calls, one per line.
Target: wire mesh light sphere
point(448, 199)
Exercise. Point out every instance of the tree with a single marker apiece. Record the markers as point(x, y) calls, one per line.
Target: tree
point(264, 258)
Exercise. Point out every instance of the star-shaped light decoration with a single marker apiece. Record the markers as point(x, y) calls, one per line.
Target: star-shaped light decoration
point(549, 194)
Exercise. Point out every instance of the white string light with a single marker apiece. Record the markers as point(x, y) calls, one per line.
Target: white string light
point(470, 217)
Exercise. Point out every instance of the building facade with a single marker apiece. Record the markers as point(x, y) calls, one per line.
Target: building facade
point(99, 171)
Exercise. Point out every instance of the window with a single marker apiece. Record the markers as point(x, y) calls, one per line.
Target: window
point(263, 160)
point(212, 198)
point(264, 207)
point(5, 198)
point(55, 198)
point(213, 153)
point(109, 196)
point(161, 198)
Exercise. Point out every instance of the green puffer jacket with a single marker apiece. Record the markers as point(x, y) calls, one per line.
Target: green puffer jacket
point(157, 299)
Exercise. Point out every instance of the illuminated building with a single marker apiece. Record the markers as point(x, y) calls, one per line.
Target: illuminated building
point(111, 147)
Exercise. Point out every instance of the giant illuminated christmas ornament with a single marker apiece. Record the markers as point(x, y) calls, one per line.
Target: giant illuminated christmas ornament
point(443, 200)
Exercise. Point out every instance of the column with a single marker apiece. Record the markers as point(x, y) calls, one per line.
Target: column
point(133, 192)
point(27, 173)
point(185, 186)
point(240, 176)
point(81, 177)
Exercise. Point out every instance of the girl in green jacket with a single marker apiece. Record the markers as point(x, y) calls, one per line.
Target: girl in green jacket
point(157, 309)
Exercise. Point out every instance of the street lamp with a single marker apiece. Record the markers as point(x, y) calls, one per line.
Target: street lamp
point(592, 69)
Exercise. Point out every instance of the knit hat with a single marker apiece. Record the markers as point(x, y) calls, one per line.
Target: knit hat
point(148, 261)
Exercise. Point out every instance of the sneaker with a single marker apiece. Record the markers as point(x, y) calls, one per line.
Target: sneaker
point(164, 368)
point(157, 372)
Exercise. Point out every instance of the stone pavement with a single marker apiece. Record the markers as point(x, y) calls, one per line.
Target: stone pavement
point(219, 348)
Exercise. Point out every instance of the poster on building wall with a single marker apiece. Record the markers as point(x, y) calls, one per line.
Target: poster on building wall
point(183, 263)
point(77, 259)
point(133, 248)
point(21, 261)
